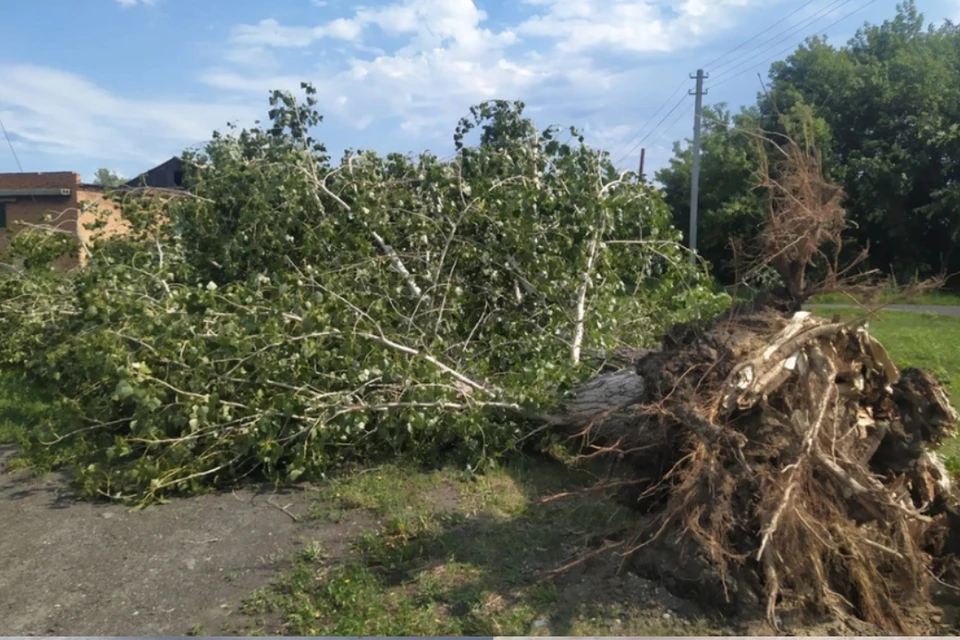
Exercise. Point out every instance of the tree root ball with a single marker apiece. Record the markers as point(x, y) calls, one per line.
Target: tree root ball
point(792, 456)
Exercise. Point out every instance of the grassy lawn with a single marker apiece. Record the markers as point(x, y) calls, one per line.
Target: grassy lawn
point(932, 298)
point(462, 558)
point(467, 557)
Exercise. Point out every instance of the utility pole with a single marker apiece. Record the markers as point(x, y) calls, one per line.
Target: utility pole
point(643, 153)
point(695, 173)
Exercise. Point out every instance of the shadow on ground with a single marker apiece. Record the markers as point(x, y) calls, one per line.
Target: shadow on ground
point(477, 558)
point(478, 565)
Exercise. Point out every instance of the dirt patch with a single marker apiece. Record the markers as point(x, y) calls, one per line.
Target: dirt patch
point(101, 569)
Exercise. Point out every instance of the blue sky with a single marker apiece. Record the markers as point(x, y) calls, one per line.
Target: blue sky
point(126, 84)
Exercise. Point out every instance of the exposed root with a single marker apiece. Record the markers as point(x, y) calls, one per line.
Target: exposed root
point(794, 457)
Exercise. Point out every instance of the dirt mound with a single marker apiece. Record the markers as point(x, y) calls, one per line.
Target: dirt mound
point(787, 464)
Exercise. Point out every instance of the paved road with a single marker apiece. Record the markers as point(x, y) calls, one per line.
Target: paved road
point(953, 311)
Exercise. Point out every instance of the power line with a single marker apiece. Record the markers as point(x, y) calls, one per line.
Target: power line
point(670, 126)
point(683, 114)
point(666, 130)
point(778, 37)
point(10, 144)
point(649, 120)
point(681, 85)
point(777, 55)
point(746, 58)
point(654, 130)
point(745, 42)
point(817, 16)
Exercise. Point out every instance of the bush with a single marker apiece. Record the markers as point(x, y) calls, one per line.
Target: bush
point(288, 315)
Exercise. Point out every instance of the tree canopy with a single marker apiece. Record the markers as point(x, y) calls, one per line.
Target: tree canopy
point(288, 313)
point(887, 105)
point(107, 178)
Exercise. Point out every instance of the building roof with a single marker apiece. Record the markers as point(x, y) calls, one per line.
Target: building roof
point(168, 174)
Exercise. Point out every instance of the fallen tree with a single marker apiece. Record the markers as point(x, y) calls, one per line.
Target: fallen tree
point(287, 315)
point(788, 452)
point(792, 453)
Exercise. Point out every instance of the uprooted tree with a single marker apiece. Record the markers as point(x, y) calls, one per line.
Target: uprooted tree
point(788, 452)
point(287, 315)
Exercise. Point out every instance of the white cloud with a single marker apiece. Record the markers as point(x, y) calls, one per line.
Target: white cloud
point(271, 33)
point(257, 58)
point(447, 61)
point(627, 25)
point(60, 113)
point(412, 67)
point(569, 25)
point(429, 22)
point(447, 57)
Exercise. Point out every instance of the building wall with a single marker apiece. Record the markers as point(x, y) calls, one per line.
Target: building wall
point(33, 209)
point(93, 204)
point(73, 213)
point(45, 180)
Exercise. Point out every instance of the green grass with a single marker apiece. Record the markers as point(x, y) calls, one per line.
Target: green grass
point(457, 556)
point(931, 298)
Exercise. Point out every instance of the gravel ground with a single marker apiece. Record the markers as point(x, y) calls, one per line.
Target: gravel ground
point(83, 569)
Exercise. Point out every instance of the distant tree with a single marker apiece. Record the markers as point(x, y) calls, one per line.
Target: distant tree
point(730, 207)
point(887, 108)
point(107, 178)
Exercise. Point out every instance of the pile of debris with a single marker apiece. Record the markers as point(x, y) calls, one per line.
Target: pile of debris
point(791, 457)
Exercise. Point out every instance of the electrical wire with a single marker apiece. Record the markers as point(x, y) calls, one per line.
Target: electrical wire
point(726, 78)
point(745, 58)
point(10, 144)
point(683, 114)
point(779, 37)
point(649, 120)
point(654, 130)
point(745, 42)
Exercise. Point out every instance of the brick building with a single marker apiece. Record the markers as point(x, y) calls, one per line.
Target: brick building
point(30, 197)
